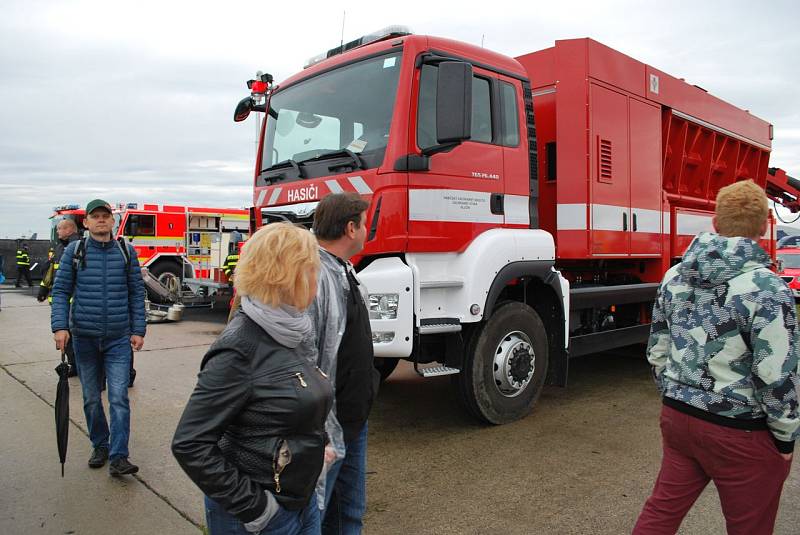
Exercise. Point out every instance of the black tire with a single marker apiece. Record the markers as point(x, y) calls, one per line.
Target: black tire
point(385, 366)
point(514, 329)
point(166, 272)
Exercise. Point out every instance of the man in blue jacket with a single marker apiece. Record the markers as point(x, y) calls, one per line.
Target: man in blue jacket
point(106, 319)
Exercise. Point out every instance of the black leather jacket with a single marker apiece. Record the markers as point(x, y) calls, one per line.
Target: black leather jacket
point(257, 406)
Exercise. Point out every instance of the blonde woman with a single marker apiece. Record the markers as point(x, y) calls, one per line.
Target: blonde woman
point(252, 434)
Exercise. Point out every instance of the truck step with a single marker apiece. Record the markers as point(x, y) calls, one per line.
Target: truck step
point(438, 328)
point(435, 371)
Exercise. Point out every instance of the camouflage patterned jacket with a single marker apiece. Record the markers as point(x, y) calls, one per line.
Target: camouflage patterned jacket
point(723, 342)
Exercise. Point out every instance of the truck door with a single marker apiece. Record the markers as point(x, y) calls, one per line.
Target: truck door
point(516, 166)
point(451, 203)
point(610, 180)
point(645, 158)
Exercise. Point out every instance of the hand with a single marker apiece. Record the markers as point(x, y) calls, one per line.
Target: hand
point(43, 291)
point(786, 456)
point(330, 454)
point(137, 342)
point(61, 338)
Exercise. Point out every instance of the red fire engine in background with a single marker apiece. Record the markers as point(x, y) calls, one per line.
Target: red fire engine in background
point(180, 245)
point(522, 210)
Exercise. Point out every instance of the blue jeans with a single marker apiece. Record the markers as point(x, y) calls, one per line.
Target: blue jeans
point(95, 356)
point(346, 490)
point(285, 522)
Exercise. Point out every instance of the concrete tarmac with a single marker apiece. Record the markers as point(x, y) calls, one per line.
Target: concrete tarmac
point(583, 462)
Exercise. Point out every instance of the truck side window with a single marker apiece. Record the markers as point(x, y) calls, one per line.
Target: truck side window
point(426, 110)
point(508, 101)
point(140, 225)
point(481, 110)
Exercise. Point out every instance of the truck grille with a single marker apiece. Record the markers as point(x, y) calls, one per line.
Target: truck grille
point(287, 217)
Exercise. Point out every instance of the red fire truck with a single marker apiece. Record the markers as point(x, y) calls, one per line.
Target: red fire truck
point(174, 242)
point(522, 210)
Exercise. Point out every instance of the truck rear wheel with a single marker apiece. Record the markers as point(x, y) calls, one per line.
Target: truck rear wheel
point(169, 274)
point(505, 365)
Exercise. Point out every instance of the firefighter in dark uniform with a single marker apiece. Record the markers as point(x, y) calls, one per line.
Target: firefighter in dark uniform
point(67, 232)
point(230, 262)
point(23, 266)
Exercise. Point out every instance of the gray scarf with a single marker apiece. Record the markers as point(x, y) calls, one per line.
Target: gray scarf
point(287, 325)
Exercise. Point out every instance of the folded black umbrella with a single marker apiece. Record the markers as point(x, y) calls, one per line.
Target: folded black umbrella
point(62, 410)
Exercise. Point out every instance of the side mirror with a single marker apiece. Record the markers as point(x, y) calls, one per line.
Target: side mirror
point(243, 109)
point(454, 102)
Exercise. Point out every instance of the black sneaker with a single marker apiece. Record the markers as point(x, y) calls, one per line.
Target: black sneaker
point(98, 458)
point(121, 466)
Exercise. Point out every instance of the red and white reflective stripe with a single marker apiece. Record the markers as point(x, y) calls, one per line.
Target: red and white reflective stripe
point(463, 206)
point(610, 217)
point(693, 224)
point(274, 197)
point(334, 185)
point(361, 187)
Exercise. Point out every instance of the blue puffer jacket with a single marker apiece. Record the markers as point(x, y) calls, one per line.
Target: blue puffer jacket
point(108, 301)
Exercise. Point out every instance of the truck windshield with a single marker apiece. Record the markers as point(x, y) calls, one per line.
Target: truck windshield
point(347, 109)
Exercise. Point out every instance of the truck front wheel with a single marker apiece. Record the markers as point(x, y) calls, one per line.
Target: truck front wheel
point(506, 365)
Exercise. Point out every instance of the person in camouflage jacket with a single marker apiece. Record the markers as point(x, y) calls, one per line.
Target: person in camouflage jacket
point(724, 351)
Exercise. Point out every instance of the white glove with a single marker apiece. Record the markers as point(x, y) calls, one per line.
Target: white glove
point(255, 526)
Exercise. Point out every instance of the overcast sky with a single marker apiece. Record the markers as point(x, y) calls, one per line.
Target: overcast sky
point(133, 101)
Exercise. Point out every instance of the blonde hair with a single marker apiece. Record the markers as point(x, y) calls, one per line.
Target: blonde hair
point(278, 265)
point(741, 210)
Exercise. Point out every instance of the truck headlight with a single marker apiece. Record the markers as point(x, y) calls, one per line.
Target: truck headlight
point(382, 337)
point(383, 306)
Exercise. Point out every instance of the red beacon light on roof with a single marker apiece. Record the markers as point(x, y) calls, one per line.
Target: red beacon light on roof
point(259, 87)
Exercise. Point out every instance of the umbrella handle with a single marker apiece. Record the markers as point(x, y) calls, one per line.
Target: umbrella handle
point(63, 356)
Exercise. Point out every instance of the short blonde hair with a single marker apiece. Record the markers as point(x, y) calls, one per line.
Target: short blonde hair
point(741, 210)
point(278, 265)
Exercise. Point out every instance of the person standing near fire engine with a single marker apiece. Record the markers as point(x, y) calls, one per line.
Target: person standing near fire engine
point(23, 266)
point(67, 232)
point(724, 349)
point(344, 337)
point(107, 320)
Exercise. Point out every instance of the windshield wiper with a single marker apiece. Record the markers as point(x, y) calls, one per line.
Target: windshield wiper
point(282, 175)
point(357, 160)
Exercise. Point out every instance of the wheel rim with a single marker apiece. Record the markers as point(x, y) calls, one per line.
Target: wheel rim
point(514, 364)
point(171, 282)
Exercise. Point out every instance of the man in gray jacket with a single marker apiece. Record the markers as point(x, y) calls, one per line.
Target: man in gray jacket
point(341, 321)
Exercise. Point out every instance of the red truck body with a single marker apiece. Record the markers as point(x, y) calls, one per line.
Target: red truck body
point(580, 176)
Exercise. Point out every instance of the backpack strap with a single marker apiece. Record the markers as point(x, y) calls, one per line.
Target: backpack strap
point(126, 253)
point(78, 261)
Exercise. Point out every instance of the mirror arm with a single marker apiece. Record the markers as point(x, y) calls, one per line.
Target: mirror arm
point(444, 147)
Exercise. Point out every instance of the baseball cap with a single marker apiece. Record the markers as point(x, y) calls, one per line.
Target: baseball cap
point(97, 203)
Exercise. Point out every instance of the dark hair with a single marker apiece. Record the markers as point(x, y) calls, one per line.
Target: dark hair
point(335, 211)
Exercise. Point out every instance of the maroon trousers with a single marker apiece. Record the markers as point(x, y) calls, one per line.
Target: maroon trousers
point(746, 468)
